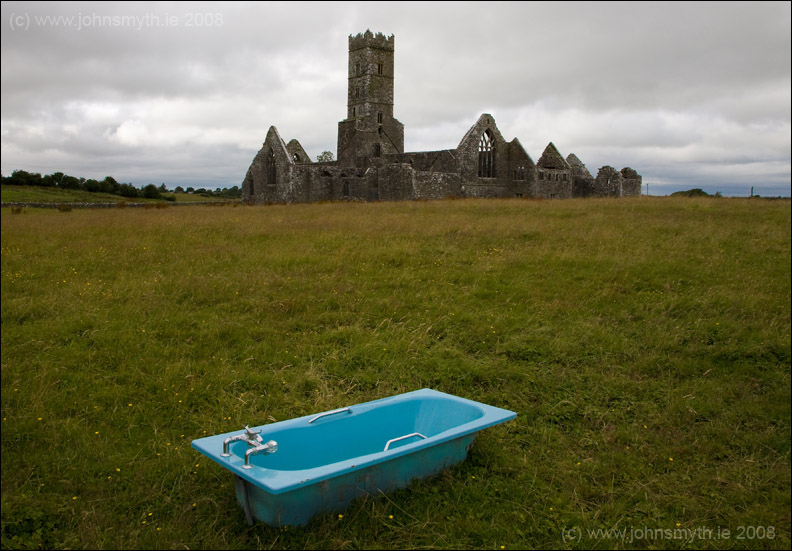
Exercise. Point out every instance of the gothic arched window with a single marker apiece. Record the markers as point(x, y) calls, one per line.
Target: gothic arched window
point(486, 160)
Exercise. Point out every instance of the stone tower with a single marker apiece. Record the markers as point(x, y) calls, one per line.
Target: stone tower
point(370, 131)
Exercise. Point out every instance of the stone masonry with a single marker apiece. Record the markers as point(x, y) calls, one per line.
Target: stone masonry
point(372, 165)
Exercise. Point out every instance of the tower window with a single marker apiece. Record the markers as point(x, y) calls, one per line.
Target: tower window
point(296, 157)
point(377, 150)
point(379, 130)
point(357, 68)
point(357, 93)
point(379, 118)
point(486, 161)
point(379, 68)
point(354, 112)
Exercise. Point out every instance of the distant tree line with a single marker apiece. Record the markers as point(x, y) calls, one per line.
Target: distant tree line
point(110, 185)
point(695, 192)
point(234, 192)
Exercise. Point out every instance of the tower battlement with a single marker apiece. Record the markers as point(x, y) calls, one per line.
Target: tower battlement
point(371, 40)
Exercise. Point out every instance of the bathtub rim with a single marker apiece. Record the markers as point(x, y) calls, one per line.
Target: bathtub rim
point(280, 481)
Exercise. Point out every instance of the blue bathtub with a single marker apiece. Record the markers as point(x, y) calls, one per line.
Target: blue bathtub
point(325, 461)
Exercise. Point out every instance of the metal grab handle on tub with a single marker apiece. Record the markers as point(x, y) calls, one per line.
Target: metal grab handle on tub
point(329, 413)
point(402, 438)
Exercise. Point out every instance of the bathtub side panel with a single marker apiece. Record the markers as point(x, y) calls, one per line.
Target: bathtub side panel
point(298, 506)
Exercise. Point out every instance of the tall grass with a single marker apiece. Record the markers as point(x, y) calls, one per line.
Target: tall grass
point(644, 344)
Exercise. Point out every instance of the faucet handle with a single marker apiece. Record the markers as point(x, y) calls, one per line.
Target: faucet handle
point(253, 435)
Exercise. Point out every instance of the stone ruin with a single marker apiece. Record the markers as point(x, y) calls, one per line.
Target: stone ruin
point(372, 165)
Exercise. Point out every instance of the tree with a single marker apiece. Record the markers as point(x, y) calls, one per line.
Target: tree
point(109, 185)
point(24, 178)
point(69, 182)
point(52, 180)
point(91, 185)
point(179, 189)
point(151, 192)
point(695, 192)
point(325, 157)
point(128, 190)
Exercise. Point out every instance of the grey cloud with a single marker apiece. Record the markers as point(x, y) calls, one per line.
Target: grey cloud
point(647, 84)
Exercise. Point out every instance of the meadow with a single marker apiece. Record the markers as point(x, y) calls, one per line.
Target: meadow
point(39, 194)
point(644, 344)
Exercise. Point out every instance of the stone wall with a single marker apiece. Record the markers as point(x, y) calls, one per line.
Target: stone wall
point(437, 185)
point(270, 177)
point(297, 153)
point(428, 161)
point(632, 183)
point(522, 170)
point(608, 182)
point(429, 174)
point(504, 160)
point(582, 180)
point(553, 175)
point(358, 139)
point(318, 182)
point(557, 184)
point(395, 182)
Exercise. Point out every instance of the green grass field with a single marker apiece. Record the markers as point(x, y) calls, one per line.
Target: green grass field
point(37, 194)
point(644, 344)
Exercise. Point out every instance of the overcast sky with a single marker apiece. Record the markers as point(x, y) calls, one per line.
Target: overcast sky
point(688, 94)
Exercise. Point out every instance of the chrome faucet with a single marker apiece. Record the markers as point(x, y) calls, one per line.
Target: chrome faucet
point(250, 436)
point(269, 447)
